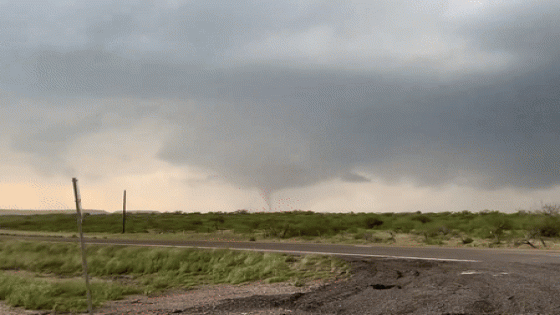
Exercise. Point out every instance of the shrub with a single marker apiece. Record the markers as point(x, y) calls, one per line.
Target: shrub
point(443, 230)
point(372, 222)
point(196, 222)
point(219, 219)
point(467, 240)
point(403, 226)
point(549, 227)
point(497, 225)
point(422, 218)
point(433, 231)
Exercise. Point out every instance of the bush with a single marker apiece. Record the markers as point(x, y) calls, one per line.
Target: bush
point(467, 240)
point(422, 218)
point(372, 222)
point(403, 226)
point(498, 225)
point(443, 230)
point(549, 227)
point(435, 231)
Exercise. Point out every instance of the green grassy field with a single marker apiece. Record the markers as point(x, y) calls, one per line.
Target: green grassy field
point(486, 228)
point(47, 276)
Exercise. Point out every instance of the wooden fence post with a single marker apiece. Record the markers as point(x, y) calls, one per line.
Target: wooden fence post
point(83, 246)
point(124, 211)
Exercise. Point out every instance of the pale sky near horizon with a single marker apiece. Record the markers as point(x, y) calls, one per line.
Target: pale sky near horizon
point(329, 106)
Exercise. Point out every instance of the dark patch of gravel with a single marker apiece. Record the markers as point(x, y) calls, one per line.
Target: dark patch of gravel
point(389, 286)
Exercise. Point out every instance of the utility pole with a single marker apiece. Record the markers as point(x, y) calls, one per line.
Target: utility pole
point(83, 245)
point(124, 211)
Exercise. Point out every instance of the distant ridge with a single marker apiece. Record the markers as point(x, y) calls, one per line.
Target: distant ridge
point(33, 212)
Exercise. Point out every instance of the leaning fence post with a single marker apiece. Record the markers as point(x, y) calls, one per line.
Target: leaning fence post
point(83, 246)
point(124, 210)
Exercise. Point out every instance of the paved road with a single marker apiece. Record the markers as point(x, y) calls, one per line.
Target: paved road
point(425, 253)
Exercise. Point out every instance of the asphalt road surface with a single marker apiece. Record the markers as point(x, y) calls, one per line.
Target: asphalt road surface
point(493, 255)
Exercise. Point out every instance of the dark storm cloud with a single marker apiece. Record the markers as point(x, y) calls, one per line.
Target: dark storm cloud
point(507, 132)
point(276, 127)
point(530, 31)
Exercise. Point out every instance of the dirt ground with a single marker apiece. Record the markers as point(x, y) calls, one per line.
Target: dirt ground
point(377, 286)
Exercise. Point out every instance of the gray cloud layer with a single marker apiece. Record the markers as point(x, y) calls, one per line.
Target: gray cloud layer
point(274, 124)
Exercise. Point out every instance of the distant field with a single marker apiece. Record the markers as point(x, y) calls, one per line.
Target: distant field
point(486, 228)
point(67, 211)
point(33, 212)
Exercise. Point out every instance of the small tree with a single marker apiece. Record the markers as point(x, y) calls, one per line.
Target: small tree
point(549, 226)
point(499, 225)
point(550, 210)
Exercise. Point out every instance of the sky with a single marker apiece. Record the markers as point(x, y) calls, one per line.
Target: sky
point(329, 106)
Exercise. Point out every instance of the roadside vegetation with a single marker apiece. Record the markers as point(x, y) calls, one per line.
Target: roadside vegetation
point(47, 276)
point(465, 228)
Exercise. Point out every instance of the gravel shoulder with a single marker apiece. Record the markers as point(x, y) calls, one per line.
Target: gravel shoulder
point(176, 301)
point(208, 297)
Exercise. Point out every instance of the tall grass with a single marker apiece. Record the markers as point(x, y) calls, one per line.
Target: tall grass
point(66, 295)
point(152, 269)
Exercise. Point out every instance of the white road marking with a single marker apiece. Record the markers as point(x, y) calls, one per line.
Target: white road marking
point(500, 274)
point(471, 272)
point(295, 251)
